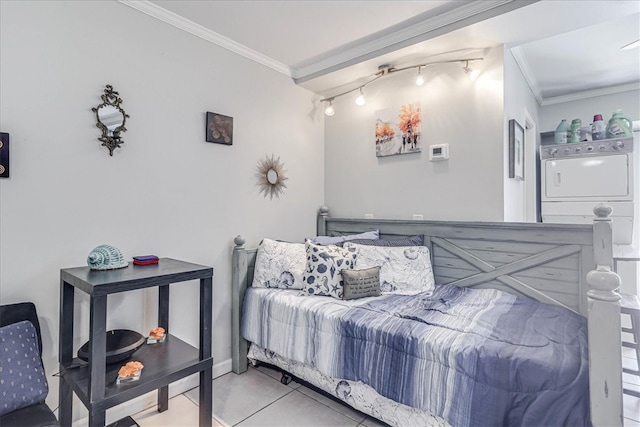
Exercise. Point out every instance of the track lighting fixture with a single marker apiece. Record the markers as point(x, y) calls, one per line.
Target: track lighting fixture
point(472, 73)
point(329, 111)
point(360, 99)
point(466, 68)
point(631, 45)
point(386, 69)
point(419, 79)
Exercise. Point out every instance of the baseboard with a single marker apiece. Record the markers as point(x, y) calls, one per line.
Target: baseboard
point(221, 368)
point(150, 399)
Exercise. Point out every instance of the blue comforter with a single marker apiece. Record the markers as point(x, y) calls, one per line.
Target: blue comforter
point(473, 357)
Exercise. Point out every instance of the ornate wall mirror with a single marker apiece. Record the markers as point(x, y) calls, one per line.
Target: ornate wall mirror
point(111, 119)
point(271, 177)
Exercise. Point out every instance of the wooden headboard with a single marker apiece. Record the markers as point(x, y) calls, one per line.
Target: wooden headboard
point(565, 264)
point(547, 262)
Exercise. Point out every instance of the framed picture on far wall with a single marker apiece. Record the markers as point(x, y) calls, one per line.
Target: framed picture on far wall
point(398, 130)
point(516, 150)
point(219, 128)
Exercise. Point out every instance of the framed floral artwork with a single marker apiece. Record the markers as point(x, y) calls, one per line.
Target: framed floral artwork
point(398, 131)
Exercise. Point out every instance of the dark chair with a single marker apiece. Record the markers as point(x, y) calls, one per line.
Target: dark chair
point(38, 414)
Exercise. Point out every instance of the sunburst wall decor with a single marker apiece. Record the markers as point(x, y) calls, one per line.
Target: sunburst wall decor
point(271, 176)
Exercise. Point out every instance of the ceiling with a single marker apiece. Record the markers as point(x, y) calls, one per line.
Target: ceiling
point(565, 49)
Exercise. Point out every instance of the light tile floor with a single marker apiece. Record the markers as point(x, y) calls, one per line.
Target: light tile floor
point(257, 398)
point(631, 404)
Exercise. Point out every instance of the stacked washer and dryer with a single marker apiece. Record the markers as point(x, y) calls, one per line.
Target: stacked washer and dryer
point(576, 177)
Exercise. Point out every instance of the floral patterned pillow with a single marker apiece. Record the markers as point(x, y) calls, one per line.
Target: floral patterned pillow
point(405, 270)
point(279, 265)
point(324, 264)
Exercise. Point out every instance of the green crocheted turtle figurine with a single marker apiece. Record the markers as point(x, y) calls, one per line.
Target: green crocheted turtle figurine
point(106, 257)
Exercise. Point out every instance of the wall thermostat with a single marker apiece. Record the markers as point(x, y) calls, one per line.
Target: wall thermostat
point(438, 152)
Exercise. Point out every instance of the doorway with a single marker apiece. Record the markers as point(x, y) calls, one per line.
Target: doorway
point(531, 199)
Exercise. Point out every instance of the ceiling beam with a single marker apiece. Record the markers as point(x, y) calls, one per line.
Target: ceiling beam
point(430, 24)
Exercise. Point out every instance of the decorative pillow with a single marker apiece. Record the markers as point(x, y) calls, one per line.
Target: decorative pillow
point(324, 264)
point(361, 283)
point(22, 380)
point(279, 265)
point(327, 240)
point(417, 240)
point(404, 270)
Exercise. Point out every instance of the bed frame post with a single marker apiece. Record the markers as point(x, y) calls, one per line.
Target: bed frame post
point(605, 348)
point(238, 286)
point(321, 227)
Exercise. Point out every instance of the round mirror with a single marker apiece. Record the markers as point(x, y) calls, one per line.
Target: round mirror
point(272, 176)
point(110, 117)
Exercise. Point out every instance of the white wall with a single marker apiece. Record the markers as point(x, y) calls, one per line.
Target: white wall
point(465, 114)
point(585, 109)
point(519, 195)
point(166, 191)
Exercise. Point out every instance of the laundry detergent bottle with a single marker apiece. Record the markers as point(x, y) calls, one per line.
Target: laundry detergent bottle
point(619, 125)
point(598, 128)
point(561, 134)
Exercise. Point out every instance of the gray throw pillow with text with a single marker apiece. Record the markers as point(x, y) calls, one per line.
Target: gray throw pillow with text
point(361, 283)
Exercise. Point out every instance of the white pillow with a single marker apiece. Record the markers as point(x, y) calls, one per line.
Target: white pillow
point(404, 270)
point(279, 265)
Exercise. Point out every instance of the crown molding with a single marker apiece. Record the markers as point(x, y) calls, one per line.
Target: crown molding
point(525, 68)
point(591, 94)
point(198, 30)
point(425, 27)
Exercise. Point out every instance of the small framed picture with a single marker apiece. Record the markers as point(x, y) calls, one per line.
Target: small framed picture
point(4, 155)
point(219, 128)
point(516, 150)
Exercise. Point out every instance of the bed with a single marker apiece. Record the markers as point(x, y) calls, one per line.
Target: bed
point(487, 274)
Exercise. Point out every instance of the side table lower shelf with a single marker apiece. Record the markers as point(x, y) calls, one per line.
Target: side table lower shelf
point(163, 363)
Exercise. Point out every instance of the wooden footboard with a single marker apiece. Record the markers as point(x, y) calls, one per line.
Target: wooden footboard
point(564, 264)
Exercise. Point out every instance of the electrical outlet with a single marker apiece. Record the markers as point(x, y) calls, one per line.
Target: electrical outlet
point(368, 216)
point(418, 216)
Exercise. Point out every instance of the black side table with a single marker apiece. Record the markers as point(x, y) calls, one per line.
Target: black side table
point(164, 363)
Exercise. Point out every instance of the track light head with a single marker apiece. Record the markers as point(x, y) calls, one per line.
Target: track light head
point(360, 101)
point(329, 111)
point(471, 72)
point(420, 78)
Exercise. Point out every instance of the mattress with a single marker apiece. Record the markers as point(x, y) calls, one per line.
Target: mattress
point(470, 357)
point(356, 394)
